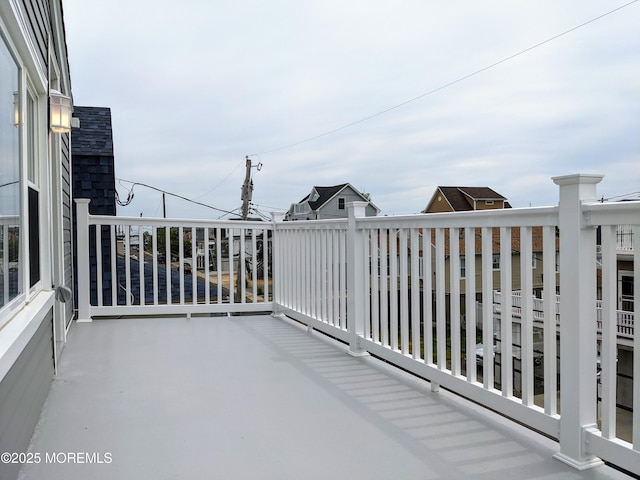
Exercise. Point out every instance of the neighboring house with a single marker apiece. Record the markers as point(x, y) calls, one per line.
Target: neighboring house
point(35, 213)
point(463, 199)
point(329, 202)
point(94, 178)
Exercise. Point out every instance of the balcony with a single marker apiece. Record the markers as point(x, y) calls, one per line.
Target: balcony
point(359, 366)
point(624, 318)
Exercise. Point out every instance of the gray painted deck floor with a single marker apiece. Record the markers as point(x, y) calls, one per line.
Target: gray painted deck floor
point(261, 398)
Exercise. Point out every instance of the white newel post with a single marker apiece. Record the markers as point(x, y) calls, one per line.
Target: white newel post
point(355, 279)
point(276, 283)
point(84, 285)
point(578, 329)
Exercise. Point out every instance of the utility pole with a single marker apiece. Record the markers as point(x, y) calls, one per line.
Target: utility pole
point(247, 190)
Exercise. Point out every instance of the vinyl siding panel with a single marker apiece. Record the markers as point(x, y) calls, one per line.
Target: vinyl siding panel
point(38, 21)
point(67, 222)
point(23, 391)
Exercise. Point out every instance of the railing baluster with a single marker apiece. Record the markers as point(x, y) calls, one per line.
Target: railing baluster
point(550, 321)
point(127, 265)
point(254, 265)
point(232, 280)
point(375, 285)
point(487, 308)
point(384, 286)
point(207, 272)
point(181, 262)
point(608, 375)
point(454, 298)
point(167, 264)
point(441, 314)
point(366, 261)
point(404, 292)
point(506, 320)
point(527, 369)
point(415, 294)
point(470, 297)
point(154, 249)
point(194, 268)
point(242, 266)
point(141, 264)
point(314, 273)
point(343, 280)
point(219, 284)
point(330, 290)
point(393, 287)
point(427, 296)
point(114, 266)
point(267, 265)
point(99, 283)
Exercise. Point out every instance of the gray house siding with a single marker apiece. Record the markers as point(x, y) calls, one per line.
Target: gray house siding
point(67, 222)
point(332, 209)
point(38, 20)
point(23, 391)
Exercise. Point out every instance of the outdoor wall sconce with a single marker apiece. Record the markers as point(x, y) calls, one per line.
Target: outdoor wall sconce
point(59, 112)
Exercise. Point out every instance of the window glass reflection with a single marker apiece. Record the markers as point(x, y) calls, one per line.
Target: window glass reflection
point(10, 261)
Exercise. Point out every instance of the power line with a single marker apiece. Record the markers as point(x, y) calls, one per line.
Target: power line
point(130, 196)
point(447, 85)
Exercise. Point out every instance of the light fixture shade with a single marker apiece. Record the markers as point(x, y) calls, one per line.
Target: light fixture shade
point(59, 112)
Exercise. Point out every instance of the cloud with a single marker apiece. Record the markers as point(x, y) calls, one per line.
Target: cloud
point(196, 87)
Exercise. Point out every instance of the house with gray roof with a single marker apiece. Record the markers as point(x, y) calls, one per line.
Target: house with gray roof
point(329, 202)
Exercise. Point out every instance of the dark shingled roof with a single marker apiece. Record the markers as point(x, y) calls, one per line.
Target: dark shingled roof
point(461, 202)
point(324, 194)
point(94, 135)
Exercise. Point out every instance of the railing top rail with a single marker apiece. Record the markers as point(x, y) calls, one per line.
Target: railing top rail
point(334, 223)
point(177, 222)
point(611, 213)
point(510, 217)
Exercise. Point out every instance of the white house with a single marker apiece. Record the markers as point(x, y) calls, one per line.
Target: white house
point(329, 202)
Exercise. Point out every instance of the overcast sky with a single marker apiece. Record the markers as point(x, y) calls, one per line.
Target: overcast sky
point(196, 85)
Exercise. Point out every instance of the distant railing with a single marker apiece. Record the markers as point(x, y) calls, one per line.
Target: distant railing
point(624, 238)
point(624, 319)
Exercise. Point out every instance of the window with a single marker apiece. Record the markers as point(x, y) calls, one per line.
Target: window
point(301, 207)
point(10, 213)
point(496, 261)
point(463, 267)
point(488, 202)
point(340, 203)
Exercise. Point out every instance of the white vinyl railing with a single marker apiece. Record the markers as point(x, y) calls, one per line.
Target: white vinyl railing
point(392, 287)
point(407, 304)
point(157, 266)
